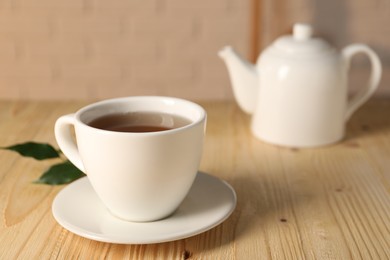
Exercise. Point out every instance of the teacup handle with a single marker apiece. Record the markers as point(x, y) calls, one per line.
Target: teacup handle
point(376, 71)
point(65, 140)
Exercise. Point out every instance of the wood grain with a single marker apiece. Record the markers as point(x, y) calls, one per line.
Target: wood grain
point(321, 203)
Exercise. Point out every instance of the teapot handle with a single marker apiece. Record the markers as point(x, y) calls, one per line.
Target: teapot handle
point(376, 71)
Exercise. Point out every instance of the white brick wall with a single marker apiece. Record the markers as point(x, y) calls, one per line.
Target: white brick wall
point(95, 49)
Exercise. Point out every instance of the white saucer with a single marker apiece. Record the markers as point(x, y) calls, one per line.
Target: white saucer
point(209, 202)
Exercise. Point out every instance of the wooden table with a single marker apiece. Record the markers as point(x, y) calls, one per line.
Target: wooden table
point(324, 203)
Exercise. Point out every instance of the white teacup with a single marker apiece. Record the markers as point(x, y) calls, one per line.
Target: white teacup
point(139, 176)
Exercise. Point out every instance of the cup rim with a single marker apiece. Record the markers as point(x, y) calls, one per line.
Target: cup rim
point(200, 109)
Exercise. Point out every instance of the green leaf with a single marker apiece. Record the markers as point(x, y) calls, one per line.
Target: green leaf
point(61, 173)
point(38, 151)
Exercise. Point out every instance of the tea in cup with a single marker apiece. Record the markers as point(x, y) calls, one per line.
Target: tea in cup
point(141, 154)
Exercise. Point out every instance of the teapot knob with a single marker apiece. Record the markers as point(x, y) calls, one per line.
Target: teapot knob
point(302, 31)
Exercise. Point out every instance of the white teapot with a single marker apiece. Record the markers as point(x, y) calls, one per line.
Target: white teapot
point(297, 91)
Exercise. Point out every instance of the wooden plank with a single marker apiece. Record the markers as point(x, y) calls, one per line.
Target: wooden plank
point(322, 203)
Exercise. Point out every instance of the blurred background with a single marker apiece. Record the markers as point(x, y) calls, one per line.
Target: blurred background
point(95, 49)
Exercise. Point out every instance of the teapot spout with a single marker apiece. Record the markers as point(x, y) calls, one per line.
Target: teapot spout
point(243, 77)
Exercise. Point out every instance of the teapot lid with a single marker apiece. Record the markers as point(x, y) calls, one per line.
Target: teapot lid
point(301, 41)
